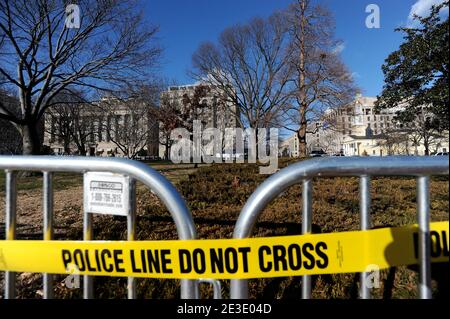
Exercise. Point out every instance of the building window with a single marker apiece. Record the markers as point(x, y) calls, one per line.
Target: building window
point(368, 118)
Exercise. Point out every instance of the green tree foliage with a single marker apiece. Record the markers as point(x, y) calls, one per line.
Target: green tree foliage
point(416, 75)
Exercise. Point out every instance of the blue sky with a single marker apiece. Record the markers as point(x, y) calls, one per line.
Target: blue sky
point(186, 23)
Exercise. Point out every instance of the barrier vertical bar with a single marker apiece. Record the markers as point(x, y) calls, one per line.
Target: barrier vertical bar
point(162, 188)
point(306, 229)
point(48, 226)
point(10, 223)
point(131, 233)
point(423, 216)
point(217, 287)
point(88, 284)
point(364, 208)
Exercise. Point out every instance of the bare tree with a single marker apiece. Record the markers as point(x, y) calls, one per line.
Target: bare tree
point(41, 55)
point(172, 114)
point(411, 131)
point(68, 122)
point(60, 123)
point(422, 128)
point(321, 79)
point(167, 115)
point(193, 106)
point(9, 136)
point(330, 140)
point(394, 142)
point(248, 65)
point(130, 122)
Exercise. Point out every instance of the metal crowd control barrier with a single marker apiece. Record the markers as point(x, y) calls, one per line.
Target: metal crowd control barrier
point(135, 170)
point(363, 167)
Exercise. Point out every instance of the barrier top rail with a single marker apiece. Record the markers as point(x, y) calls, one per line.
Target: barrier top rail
point(139, 171)
point(363, 167)
point(163, 189)
point(333, 167)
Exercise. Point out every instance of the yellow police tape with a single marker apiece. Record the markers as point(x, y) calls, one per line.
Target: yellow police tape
point(344, 252)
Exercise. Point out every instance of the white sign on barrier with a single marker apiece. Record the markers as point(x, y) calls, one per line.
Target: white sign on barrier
point(106, 193)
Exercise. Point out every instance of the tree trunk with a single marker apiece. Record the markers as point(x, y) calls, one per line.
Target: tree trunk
point(301, 134)
point(302, 84)
point(81, 149)
point(67, 146)
point(30, 140)
point(426, 144)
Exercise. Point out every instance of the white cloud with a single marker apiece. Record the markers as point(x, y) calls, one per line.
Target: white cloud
point(422, 8)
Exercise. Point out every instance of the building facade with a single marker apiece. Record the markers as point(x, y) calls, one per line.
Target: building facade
point(10, 135)
point(10, 139)
point(108, 128)
point(215, 111)
point(358, 129)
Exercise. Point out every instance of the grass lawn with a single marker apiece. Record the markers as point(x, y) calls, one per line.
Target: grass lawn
point(63, 181)
point(215, 195)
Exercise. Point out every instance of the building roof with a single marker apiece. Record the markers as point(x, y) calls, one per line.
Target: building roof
point(365, 137)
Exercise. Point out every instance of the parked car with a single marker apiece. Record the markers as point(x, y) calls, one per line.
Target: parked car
point(317, 153)
point(441, 154)
point(338, 155)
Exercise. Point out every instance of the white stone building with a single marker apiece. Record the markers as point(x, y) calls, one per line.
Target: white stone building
point(105, 128)
point(218, 112)
point(358, 130)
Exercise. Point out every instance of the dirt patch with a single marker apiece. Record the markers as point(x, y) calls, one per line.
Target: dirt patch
point(215, 196)
point(67, 212)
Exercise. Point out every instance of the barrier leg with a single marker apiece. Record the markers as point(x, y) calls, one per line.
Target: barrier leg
point(11, 208)
point(423, 215)
point(306, 229)
point(88, 282)
point(364, 191)
point(48, 227)
point(131, 234)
